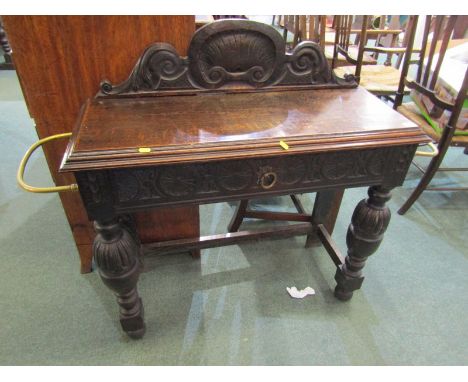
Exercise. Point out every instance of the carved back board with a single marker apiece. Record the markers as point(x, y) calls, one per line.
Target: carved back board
point(228, 54)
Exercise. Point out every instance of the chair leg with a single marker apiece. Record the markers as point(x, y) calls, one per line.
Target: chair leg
point(297, 32)
point(398, 100)
point(285, 35)
point(238, 216)
point(434, 165)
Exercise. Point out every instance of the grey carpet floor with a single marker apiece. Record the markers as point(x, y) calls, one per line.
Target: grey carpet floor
point(231, 307)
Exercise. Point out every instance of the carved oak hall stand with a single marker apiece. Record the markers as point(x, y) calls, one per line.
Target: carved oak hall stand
point(207, 128)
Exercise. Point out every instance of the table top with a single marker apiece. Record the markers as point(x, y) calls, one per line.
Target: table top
point(123, 132)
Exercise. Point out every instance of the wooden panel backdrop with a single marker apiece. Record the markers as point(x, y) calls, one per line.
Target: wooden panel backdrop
point(60, 61)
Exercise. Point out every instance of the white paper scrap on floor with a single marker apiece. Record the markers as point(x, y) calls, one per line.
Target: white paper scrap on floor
point(293, 292)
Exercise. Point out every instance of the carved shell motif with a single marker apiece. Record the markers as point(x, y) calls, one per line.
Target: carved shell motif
point(240, 51)
point(236, 57)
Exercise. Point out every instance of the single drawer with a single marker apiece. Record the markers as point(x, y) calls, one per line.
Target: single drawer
point(207, 182)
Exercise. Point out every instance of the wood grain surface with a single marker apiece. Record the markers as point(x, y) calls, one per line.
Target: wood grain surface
point(236, 125)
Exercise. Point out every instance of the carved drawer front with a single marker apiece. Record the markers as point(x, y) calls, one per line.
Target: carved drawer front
point(211, 181)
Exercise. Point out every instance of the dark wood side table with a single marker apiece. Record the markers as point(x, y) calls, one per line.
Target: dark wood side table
point(238, 118)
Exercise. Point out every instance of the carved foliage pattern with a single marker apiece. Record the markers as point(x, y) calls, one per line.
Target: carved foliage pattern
point(207, 180)
point(404, 158)
point(93, 185)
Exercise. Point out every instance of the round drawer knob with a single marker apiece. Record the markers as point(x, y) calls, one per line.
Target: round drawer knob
point(268, 180)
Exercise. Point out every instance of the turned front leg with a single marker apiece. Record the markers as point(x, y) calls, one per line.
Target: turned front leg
point(116, 254)
point(365, 233)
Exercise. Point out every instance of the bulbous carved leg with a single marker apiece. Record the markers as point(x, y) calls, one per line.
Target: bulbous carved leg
point(365, 233)
point(116, 254)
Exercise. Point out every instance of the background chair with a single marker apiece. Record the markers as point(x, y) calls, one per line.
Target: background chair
point(382, 80)
point(430, 104)
point(279, 20)
point(353, 27)
point(291, 25)
point(307, 28)
point(314, 28)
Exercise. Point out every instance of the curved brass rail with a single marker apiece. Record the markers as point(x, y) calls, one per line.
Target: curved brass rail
point(24, 161)
point(434, 151)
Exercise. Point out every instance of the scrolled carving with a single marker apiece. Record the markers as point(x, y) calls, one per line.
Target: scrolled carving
point(215, 75)
point(225, 51)
point(308, 59)
point(159, 62)
point(256, 74)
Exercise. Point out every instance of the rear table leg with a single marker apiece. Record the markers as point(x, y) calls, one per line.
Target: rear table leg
point(326, 206)
point(238, 216)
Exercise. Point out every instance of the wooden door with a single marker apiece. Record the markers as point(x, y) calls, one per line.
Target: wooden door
point(60, 61)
